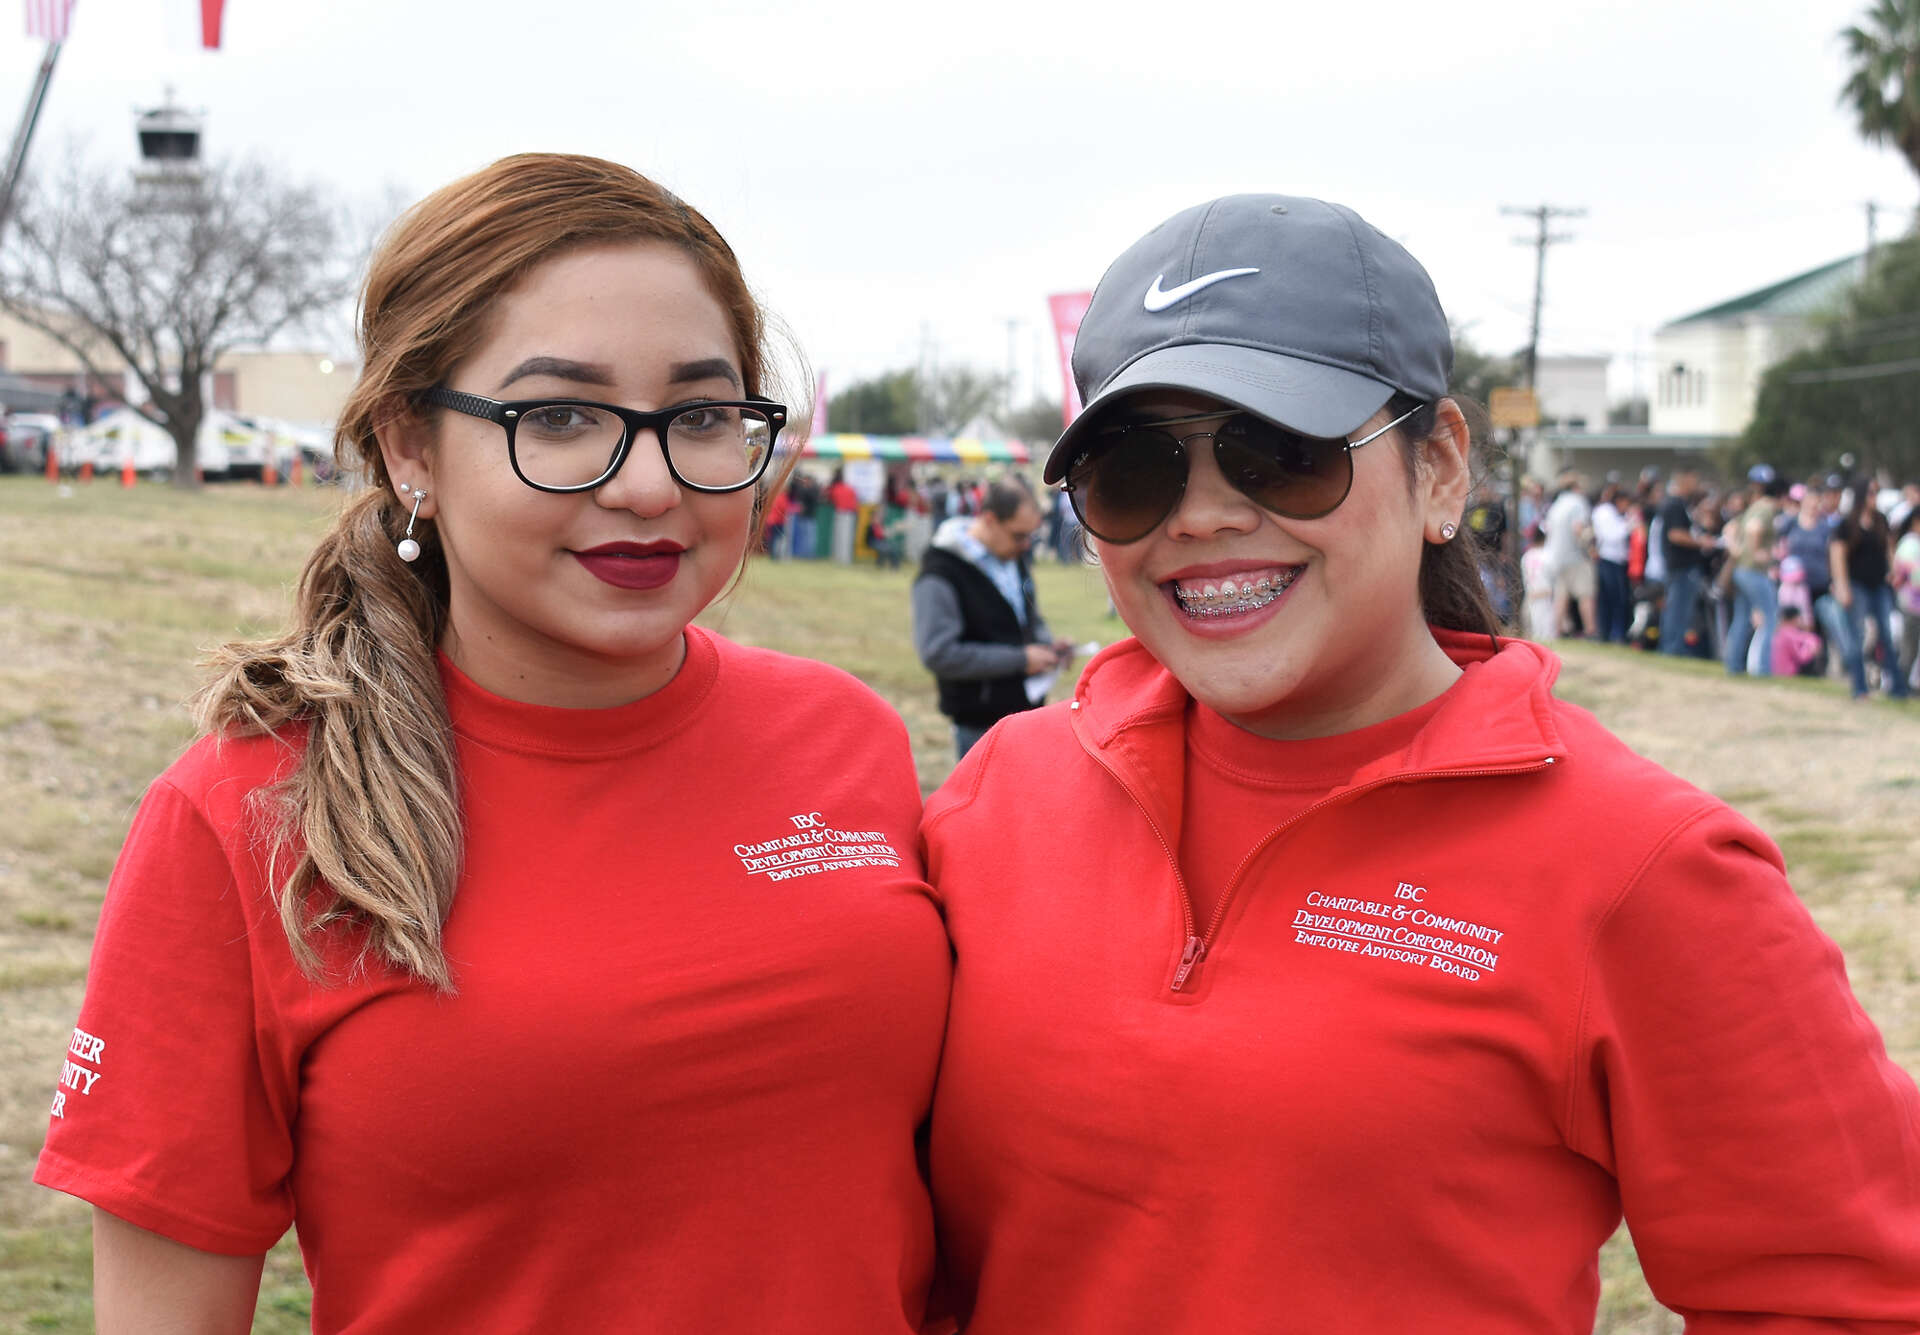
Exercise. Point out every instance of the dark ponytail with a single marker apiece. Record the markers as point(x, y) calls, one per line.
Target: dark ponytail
point(1452, 594)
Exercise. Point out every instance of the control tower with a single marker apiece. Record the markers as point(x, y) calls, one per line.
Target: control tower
point(170, 138)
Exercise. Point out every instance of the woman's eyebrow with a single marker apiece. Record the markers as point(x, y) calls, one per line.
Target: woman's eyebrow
point(581, 373)
point(593, 373)
point(709, 368)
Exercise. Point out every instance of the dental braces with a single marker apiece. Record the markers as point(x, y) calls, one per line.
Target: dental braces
point(1241, 603)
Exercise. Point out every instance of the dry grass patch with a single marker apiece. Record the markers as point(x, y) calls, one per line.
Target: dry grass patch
point(107, 598)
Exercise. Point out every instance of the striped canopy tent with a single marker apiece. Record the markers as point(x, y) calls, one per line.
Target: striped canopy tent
point(917, 449)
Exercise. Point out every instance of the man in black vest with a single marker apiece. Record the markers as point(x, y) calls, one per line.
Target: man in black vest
point(975, 622)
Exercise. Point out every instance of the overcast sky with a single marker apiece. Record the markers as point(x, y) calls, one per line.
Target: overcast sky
point(896, 175)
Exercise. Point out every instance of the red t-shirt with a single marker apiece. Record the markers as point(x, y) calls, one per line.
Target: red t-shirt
point(701, 988)
point(843, 496)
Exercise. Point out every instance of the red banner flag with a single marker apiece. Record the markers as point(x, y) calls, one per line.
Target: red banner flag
point(49, 19)
point(1069, 308)
point(211, 12)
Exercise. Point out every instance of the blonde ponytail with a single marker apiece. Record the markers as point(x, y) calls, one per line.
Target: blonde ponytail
point(371, 816)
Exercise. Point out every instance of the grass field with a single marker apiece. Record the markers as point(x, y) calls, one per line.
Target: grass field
point(107, 598)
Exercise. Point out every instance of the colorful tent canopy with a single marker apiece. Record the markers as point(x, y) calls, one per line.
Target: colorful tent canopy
point(917, 449)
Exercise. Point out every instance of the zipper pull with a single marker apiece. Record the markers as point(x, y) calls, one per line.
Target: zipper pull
point(1189, 961)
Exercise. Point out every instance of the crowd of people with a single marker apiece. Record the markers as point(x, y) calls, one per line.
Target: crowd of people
point(1770, 577)
point(824, 518)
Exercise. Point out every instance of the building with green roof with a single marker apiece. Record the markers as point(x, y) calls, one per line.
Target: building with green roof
point(1708, 365)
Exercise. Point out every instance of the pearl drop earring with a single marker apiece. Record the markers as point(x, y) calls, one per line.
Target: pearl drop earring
point(409, 549)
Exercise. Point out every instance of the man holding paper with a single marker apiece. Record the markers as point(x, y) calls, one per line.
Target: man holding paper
point(976, 623)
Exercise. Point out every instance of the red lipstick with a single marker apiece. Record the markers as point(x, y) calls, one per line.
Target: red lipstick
point(632, 565)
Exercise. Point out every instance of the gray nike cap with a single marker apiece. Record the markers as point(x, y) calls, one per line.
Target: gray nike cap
point(1293, 309)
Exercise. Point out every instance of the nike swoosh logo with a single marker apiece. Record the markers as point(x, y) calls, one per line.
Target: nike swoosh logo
point(1157, 300)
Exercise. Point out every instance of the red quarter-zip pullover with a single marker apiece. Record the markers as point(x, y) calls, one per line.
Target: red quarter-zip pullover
point(1448, 1020)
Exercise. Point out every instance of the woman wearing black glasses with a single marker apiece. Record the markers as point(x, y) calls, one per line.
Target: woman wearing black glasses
point(1317, 970)
point(547, 962)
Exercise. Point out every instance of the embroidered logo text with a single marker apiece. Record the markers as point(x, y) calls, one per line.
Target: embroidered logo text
point(814, 846)
point(1401, 929)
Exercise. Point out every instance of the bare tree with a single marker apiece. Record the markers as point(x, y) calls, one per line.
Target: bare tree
point(903, 403)
point(163, 275)
point(1036, 424)
point(955, 396)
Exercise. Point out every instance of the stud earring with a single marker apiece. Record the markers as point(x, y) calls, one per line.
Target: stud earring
point(409, 549)
point(1447, 531)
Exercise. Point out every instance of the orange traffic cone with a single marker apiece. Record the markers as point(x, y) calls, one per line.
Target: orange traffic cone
point(86, 470)
point(53, 463)
point(268, 477)
point(293, 470)
point(126, 471)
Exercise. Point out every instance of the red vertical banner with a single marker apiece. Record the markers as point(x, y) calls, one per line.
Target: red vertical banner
point(1069, 308)
point(211, 12)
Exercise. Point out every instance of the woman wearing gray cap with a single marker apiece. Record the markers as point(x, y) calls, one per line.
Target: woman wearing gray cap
point(1315, 968)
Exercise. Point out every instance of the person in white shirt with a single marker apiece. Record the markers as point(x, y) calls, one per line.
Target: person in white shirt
point(1569, 531)
point(1612, 539)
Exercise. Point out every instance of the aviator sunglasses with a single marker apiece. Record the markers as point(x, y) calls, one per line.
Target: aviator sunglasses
point(1132, 475)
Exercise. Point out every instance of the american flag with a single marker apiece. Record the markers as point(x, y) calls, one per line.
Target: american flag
point(49, 19)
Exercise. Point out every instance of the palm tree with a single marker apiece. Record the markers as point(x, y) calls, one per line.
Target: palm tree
point(1884, 90)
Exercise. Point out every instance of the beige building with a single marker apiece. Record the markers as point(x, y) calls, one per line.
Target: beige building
point(303, 387)
point(1708, 365)
point(307, 387)
point(1573, 392)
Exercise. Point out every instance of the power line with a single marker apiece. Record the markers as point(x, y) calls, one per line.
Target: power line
point(1899, 328)
point(1871, 371)
point(1862, 341)
point(1898, 322)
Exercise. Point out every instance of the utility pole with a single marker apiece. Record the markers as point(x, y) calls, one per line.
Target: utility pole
point(1038, 347)
point(1013, 325)
point(923, 383)
point(1542, 214)
point(1873, 209)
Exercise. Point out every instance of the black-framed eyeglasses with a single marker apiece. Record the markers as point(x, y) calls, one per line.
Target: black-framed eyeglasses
point(569, 445)
point(1131, 476)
